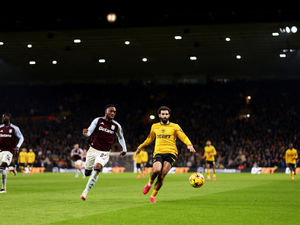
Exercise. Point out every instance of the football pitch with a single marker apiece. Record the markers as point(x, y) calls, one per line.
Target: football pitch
point(117, 199)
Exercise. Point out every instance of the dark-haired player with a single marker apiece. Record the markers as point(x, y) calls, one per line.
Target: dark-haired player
point(76, 156)
point(30, 160)
point(11, 140)
point(209, 155)
point(291, 156)
point(165, 150)
point(102, 133)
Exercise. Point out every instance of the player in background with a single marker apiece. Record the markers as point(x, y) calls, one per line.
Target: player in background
point(22, 160)
point(30, 160)
point(76, 155)
point(291, 157)
point(102, 133)
point(83, 158)
point(209, 155)
point(144, 162)
point(137, 157)
point(165, 153)
point(11, 140)
point(13, 166)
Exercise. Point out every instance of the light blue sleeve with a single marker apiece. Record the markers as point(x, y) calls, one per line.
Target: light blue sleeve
point(92, 127)
point(19, 135)
point(121, 138)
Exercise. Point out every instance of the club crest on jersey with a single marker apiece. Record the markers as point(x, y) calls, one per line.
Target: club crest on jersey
point(113, 127)
point(10, 131)
point(163, 130)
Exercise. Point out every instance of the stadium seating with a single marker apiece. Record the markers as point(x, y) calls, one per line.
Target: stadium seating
point(245, 132)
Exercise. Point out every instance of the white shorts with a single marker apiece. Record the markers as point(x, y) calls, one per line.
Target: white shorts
point(78, 162)
point(94, 156)
point(6, 157)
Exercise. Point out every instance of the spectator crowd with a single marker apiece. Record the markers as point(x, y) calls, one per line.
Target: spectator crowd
point(250, 123)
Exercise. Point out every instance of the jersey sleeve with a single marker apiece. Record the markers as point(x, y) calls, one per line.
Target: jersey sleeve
point(20, 136)
point(121, 138)
point(149, 139)
point(92, 127)
point(215, 152)
point(145, 156)
point(296, 155)
point(134, 156)
point(182, 136)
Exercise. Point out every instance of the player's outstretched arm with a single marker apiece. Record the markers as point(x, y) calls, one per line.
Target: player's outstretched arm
point(182, 136)
point(121, 140)
point(148, 140)
point(138, 151)
point(191, 148)
point(88, 131)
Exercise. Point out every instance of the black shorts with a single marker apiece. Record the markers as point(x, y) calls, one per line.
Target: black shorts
point(138, 165)
point(292, 166)
point(164, 157)
point(29, 164)
point(21, 164)
point(212, 163)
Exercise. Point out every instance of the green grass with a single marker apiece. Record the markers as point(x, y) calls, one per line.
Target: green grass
point(117, 199)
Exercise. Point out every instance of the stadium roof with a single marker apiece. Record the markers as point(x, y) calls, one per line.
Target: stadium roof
point(199, 52)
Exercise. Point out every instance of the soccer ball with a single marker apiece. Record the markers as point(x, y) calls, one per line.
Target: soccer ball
point(196, 180)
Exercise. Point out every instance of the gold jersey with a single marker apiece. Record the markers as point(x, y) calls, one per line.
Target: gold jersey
point(22, 157)
point(138, 157)
point(209, 153)
point(30, 157)
point(165, 135)
point(290, 156)
point(144, 156)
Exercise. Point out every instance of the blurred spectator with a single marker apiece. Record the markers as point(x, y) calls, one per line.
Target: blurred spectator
point(248, 133)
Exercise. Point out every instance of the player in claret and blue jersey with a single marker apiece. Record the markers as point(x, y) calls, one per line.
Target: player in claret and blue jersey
point(102, 133)
point(11, 140)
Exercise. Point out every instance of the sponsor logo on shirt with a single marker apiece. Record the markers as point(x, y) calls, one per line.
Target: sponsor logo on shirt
point(164, 136)
point(106, 130)
point(5, 135)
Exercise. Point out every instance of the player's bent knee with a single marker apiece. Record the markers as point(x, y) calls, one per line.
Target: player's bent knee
point(156, 171)
point(98, 167)
point(162, 176)
point(3, 165)
point(87, 172)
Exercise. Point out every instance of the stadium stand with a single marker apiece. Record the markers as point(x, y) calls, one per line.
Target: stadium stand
point(245, 132)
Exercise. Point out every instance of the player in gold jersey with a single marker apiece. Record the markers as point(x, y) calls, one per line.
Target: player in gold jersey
point(30, 160)
point(138, 159)
point(291, 156)
point(209, 155)
point(22, 160)
point(144, 162)
point(165, 150)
